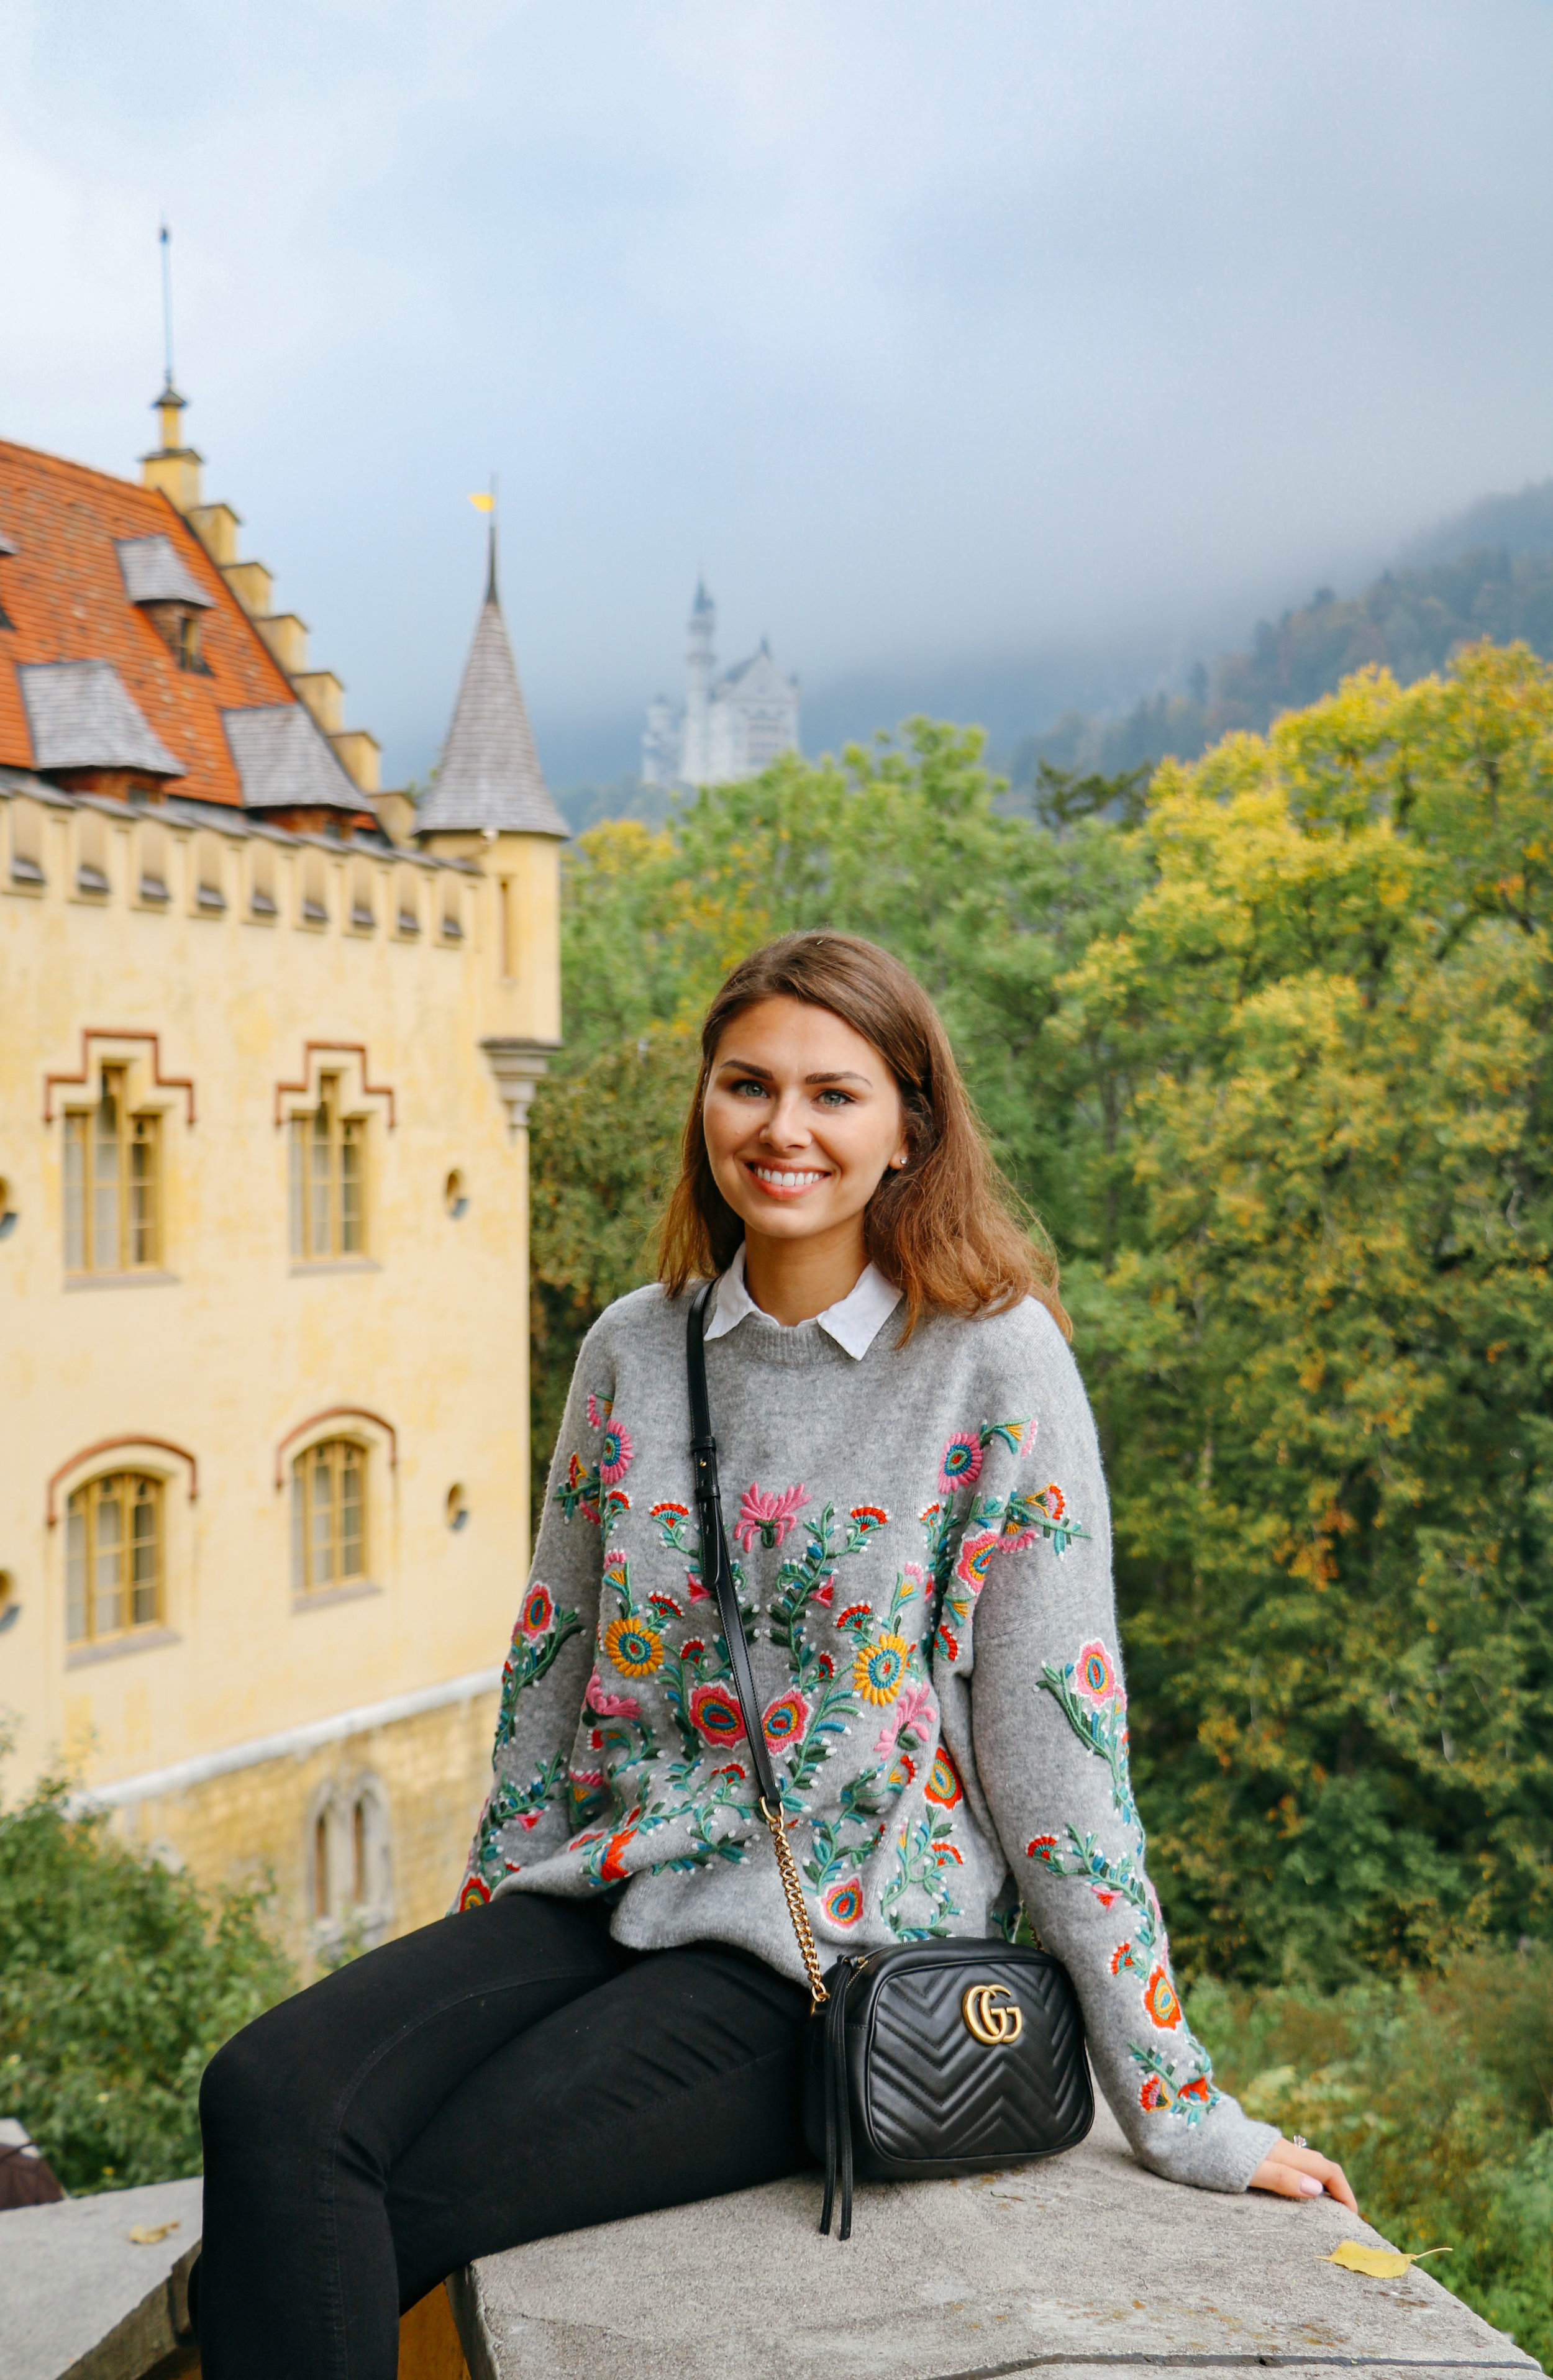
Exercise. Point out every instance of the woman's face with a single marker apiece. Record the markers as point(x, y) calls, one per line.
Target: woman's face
point(802, 1117)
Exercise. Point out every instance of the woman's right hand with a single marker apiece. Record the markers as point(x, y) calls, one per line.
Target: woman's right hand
point(1291, 2170)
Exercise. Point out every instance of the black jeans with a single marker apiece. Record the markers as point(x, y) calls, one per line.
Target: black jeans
point(498, 2077)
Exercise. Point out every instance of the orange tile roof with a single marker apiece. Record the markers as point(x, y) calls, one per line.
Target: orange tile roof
point(63, 592)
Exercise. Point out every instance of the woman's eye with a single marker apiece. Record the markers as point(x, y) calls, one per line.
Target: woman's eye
point(835, 1099)
point(752, 1089)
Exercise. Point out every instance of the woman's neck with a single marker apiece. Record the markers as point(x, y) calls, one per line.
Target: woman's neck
point(795, 1280)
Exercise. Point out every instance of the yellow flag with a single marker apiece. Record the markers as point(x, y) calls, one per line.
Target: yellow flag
point(1381, 2264)
point(483, 504)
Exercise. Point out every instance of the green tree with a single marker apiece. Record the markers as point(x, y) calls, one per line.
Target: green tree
point(118, 1981)
point(1315, 1313)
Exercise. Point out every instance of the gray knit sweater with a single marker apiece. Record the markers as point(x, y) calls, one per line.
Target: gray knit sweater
point(922, 1543)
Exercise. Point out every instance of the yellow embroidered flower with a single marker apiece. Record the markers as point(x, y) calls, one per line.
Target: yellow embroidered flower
point(633, 1647)
point(880, 1671)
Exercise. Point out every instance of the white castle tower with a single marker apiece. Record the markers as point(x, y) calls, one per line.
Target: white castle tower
point(731, 727)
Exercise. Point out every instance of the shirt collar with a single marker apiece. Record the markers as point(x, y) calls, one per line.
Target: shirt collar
point(853, 1322)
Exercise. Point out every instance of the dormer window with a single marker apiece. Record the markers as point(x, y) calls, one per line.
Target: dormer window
point(161, 586)
point(7, 546)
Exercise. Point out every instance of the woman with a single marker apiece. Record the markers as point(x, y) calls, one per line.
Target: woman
point(612, 2022)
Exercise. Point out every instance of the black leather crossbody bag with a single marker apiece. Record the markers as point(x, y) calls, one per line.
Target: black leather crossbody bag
point(933, 2058)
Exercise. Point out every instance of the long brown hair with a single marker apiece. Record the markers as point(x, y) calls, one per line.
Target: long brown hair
point(947, 1229)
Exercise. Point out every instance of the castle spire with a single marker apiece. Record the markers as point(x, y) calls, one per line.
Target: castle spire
point(490, 775)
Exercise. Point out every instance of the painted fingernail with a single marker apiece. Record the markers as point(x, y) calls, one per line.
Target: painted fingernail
point(1310, 2186)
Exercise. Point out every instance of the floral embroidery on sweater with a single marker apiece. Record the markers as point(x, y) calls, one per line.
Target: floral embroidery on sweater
point(1090, 1695)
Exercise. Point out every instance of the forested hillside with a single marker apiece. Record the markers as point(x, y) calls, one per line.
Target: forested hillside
point(1409, 622)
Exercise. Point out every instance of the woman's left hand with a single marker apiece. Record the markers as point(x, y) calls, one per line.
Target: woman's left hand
point(1299, 2172)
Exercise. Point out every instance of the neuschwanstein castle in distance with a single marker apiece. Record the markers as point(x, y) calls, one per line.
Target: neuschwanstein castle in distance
point(731, 726)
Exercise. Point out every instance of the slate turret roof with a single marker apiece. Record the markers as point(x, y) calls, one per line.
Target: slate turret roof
point(489, 774)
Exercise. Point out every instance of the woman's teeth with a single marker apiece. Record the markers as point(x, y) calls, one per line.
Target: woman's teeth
point(784, 1180)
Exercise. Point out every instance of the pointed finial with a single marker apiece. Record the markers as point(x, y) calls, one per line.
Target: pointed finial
point(486, 503)
point(165, 237)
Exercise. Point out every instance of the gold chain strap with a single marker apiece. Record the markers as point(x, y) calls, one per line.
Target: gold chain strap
point(788, 1868)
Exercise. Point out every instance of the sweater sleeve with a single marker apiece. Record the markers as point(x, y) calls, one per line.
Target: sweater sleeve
point(1049, 1727)
point(536, 1789)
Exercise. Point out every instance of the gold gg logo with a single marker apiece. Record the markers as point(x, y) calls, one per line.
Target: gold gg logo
point(990, 2015)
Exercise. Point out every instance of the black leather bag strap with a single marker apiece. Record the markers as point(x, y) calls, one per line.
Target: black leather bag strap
point(716, 1567)
point(718, 1572)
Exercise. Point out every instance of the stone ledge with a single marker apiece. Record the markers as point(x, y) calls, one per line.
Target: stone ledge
point(1088, 2265)
point(80, 2301)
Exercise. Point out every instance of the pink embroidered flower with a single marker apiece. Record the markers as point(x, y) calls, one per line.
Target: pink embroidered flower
point(530, 1819)
point(975, 1554)
point(615, 1454)
point(842, 1904)
point(960, 1465)
point(912, 1704)
point(1018, 1541)
point(695, 1588)
point(912, 1574)
point(1094, 1672)
point(616, 1573)
point(584, 1781)
point(770, 1518)
point(597, 1698)
point(716, 1716)
point(824, 1592)
point(599, 1409)
point(785, 1719)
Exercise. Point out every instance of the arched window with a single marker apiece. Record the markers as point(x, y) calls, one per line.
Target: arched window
point(328, 1179)
point(113, 1557)
point(329, 1516)
point(113, 1191)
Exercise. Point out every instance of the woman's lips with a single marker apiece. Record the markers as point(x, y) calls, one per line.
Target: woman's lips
point(784, 1182)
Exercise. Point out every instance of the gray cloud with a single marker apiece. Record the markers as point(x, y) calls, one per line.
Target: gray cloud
point(941, 337)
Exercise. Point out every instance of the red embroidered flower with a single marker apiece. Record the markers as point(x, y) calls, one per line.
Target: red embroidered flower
point(696, 1588)
point(692, 1648)
point(770, 1518)
point(854, 1615)
point(948, 1642)
point(1160, 2002)
point(674, 1511)
point(825, 1665)
point(932, 1514)
point(666, 1605)
point(1124, 1956)
point(1041, 1847)
point(943, 1784)
point(1153, 2095)
point(475, 1893)
point(946, 1854)
point(1055, 1502)
point(867, 1517)
point(826, 1589)
point(902, 1773)
point(611, 1867)
point(730, 1770)
point(716, 1716)
point(1199, 2088)
point(537, 1612)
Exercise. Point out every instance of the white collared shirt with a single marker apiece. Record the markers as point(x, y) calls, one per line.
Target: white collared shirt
point(853, 1322)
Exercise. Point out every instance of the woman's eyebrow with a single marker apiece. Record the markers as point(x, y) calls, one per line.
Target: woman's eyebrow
point(748, 1066)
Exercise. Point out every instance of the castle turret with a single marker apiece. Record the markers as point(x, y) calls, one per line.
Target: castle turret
point(489, 804)
point(701, 668)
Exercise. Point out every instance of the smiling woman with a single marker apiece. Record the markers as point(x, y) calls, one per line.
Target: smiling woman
point(914, 1652)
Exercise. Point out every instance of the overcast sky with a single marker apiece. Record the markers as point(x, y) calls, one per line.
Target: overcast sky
point(951, 339)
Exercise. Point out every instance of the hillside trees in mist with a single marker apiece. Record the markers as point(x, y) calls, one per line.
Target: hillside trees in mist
point(1409, 622)
point(1272, 1066)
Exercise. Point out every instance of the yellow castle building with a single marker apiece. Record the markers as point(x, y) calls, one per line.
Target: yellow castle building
point(268, 1037)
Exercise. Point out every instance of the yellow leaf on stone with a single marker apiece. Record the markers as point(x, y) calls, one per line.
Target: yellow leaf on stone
point(1381, 2264)
point(146, 2235)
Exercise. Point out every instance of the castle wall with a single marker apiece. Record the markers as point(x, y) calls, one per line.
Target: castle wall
point(212, 1369)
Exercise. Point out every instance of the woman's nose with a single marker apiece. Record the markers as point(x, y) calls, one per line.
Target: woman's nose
point(786, 1126)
